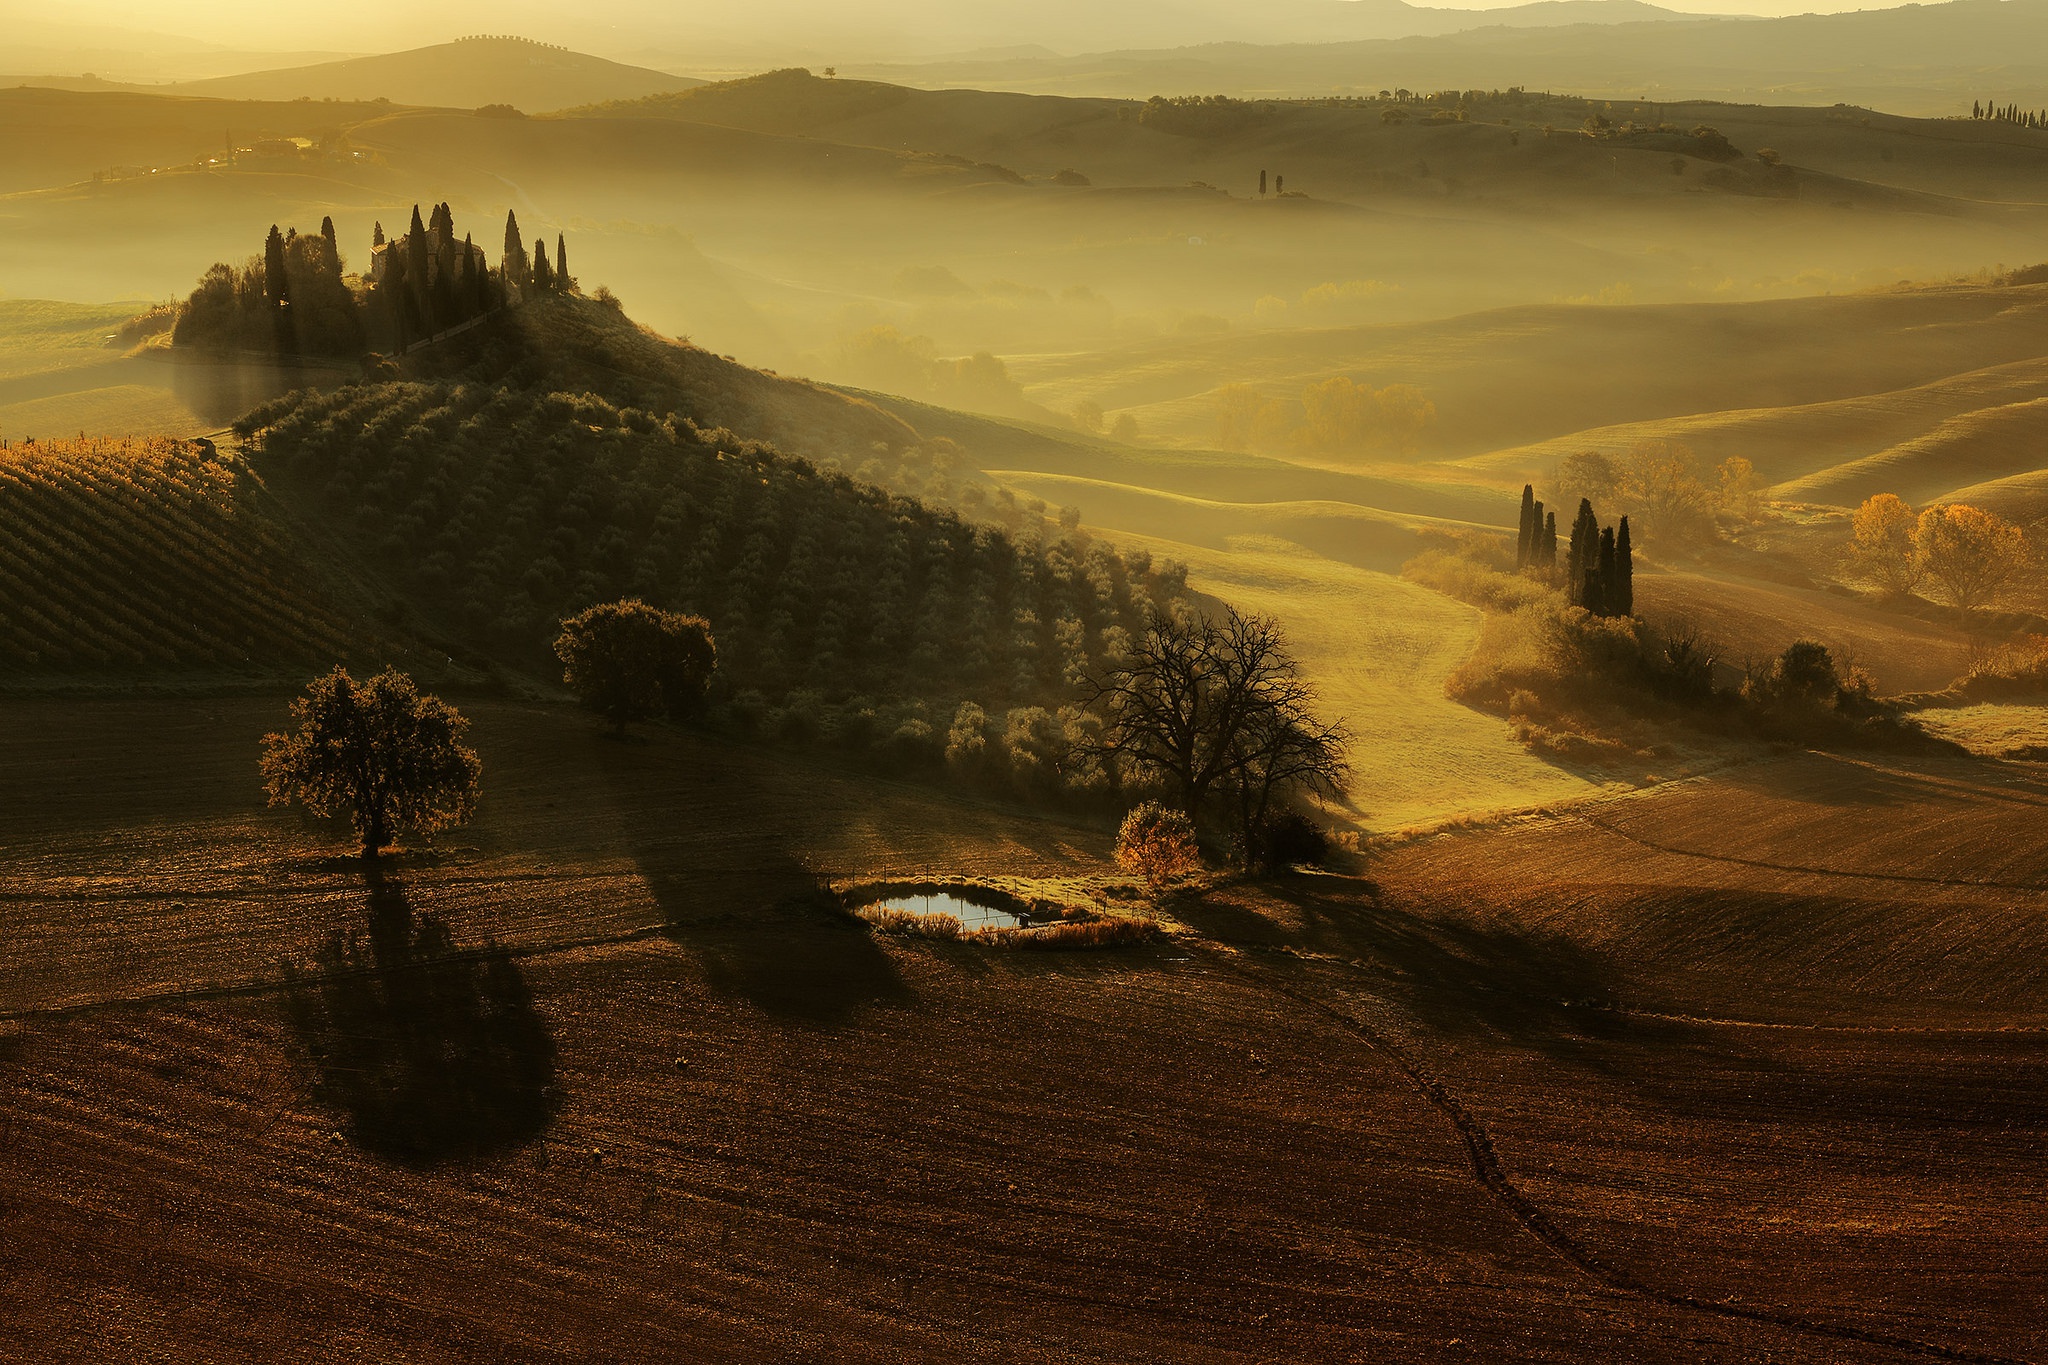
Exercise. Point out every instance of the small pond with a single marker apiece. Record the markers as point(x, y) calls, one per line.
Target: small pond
point(971, 914)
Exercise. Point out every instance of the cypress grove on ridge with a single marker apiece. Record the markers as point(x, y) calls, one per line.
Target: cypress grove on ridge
point(1599, 569)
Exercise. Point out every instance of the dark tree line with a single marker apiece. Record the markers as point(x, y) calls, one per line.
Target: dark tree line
point(2010, 113)
point(295, 299)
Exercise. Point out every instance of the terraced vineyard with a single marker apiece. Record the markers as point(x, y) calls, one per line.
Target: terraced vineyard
point(152, 553)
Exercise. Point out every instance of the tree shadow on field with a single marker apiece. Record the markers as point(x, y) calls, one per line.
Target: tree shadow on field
point(433, 1053)
point(1465, 977)
point(785, 946)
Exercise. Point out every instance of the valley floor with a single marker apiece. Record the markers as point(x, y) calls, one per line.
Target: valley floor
point(1736, 1069)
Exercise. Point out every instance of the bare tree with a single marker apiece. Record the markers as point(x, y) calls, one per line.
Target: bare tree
point(1218, 707)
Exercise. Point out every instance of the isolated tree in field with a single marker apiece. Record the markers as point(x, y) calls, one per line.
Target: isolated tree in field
point(1884, 545)
point(1971, 553)
point(1158, 844)
point(1740, 495)
point(390, 756)
point(628, 661)
point(1207, 707)
point(1660, 484)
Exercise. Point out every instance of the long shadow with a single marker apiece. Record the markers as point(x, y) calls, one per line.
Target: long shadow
point(1478, 980)
point(783, 945)
point(432, 1053)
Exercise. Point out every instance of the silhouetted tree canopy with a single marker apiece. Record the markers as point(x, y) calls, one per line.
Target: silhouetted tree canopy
point(629, 661)
point(389, 756)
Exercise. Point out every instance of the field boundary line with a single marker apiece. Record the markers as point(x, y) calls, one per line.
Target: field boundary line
point(1493, 1176)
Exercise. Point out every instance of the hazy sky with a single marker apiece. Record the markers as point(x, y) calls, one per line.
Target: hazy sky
point(372, 25)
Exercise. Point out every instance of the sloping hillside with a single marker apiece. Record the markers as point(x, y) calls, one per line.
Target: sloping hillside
point(157, 557)
point(465, 74)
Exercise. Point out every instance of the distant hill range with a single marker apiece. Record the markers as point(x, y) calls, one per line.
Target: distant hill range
point(1918, 59)
point(466, 74)
point(726, 33)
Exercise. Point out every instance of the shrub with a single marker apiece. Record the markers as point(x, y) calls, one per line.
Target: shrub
point(1289, 839)
point(629, 661)
point(1158, 844)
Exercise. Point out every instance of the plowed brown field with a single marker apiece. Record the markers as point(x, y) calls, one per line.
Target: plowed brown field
point(1751, 1068)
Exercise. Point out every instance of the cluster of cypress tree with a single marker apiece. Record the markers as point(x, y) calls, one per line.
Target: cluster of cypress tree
point(1536, 546)
point(535, 275)
point(291, 300)
point(1600, 565)
point(2011, 113)
point(430, 282)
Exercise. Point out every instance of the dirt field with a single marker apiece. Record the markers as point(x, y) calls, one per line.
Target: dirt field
point(1552, 1091)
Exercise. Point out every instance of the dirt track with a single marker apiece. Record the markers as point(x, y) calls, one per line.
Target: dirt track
point(1239, 1149)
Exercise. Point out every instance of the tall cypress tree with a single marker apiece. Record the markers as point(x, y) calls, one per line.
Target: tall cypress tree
point(1550, 540)
point(333, 247)
point(1525, 538)
point(1622, 595)
point(277, 291)
point(1584, 557)
point(543, 278)
point(1600, 588)
point(561, 263)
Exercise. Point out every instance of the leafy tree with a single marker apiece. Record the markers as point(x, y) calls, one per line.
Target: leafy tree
point(1587, 475)
point(1884, 546)
point(1971, 553)
point(1740, 495)
point(1660, 485)
point(381, 750)
point(1157, 843)
point(629, 661)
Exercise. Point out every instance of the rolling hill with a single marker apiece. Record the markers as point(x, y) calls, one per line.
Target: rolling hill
point(466, 74)
point(1921, 59)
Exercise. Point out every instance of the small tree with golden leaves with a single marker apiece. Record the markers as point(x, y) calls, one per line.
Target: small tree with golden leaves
point(1971, 553)
point(1884, 532)
point(1158, 844)
point(387, 754)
